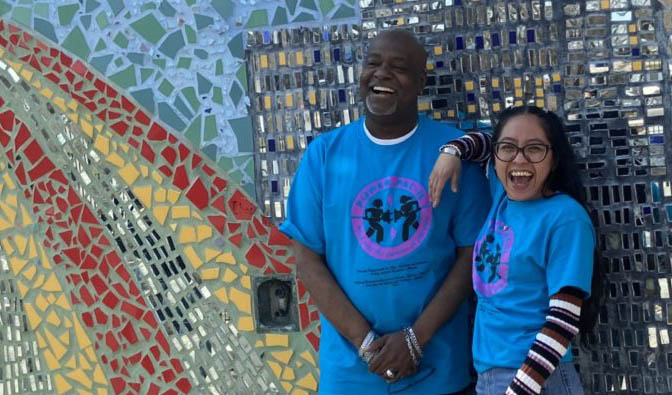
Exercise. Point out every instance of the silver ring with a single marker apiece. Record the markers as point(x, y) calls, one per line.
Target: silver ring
point(389, 373)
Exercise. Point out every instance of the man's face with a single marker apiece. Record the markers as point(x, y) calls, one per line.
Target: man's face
point(392, 77)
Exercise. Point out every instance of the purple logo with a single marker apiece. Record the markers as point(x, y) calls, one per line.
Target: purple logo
point(490, 270)
point(391, 217)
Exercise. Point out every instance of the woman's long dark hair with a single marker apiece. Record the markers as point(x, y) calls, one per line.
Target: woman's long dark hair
point(565, 178)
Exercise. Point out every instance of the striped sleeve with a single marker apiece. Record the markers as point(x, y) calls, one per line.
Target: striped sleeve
point(551, 343)
point(475, 146)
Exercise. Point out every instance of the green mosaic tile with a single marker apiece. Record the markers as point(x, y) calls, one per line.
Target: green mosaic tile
point(125, 78)
point(116, 5)
point(66, 13)
point(147, 7)
point(41, 9)
point(91, 5)
point(304, 17)
point(344, 12)
point(145, 74)
point(225, 164)
point(210, 151)
point(137, 58)
point(189, 93)
point(291, 4)
point(217, 95)
point(100, 45)
point(236, 46)
point(85, 21)
point(168, 115)
point(22, 15)
point(149, 28)
point(119, 61)
point(184, 63)
point(203, 21)
point(46, 28)
point(235, 93)
point(76, 43)
point(4, 8)
point(326, 6)
point(242, 128)
point(308, 4)
point(223, 7)
point(193, 132)
point(190, 2)
point(166, 88)
point(146, 98)
point(121, 40)
point(201, 53)
point(280, 17)
point(101, 63)
point(219, 67)
point(210, 128)
point(102, 21)
point(190, 33)
point(167, 9)
point(159, 62)
point(204, 85)
point(172, 44)
point(241, 74)
point(182, 107)
point(258, 18)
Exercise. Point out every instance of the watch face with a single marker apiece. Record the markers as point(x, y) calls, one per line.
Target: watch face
point(449, 150)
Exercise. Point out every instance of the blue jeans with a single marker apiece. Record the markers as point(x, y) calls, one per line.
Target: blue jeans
point(564, 381)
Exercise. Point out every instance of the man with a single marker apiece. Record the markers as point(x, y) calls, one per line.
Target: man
point(374, 254)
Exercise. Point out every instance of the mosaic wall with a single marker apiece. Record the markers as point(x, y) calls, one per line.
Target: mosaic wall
point(135, 137)
point(602, 64)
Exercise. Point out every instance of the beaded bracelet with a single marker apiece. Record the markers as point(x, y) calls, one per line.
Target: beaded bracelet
point(366, 356)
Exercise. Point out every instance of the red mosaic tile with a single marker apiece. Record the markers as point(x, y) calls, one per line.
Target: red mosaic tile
point(220, 183)
point(111, 300)
point(129, 333)
point(218, 222)
point(279, 267)
point(195, 161)
point(118, 384)
point(250, 232)
point(314, 341)
point(147, 152)
point(41, 169)
point(184, 152)
point(148, 365)
point(303, 314)
point(169, 154)
point(237, 240)
point(101, 317)
point(98, 284)
point(168, 375)
point(278, 238)
point(255, 256)
point(166, 170)
point(120, 127)
point(86, 296)
point(33, 152)
point(219, 204)
point(181, 179)
point(184, 385)
point(242, 208)
point(21, 137)
point(198, 194)
point(141, 117)
point(132, 310)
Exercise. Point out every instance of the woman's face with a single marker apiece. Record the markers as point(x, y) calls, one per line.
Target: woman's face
point(522, 179)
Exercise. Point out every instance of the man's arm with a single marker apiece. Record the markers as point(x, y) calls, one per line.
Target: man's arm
point(328, 295)
point(393, 348)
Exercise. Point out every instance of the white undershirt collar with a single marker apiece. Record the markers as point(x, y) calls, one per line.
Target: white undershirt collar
point(398, 140)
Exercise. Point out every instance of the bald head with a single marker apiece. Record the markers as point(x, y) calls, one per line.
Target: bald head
point(406, 40)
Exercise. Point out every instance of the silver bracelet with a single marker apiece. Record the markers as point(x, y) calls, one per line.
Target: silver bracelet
point(366, 356)
point(410, 348)
point(414, 340)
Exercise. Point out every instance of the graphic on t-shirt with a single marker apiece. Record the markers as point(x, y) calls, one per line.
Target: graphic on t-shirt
point(491, 259)
point(391, 217)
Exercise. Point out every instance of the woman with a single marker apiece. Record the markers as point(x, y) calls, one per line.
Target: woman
point(534, 257)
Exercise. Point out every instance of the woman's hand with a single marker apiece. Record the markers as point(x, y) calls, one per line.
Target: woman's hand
point(393, 355)
point(445, 168)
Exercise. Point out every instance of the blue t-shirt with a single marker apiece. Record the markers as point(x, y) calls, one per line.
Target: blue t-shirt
point(526, 252)
point(365, 207)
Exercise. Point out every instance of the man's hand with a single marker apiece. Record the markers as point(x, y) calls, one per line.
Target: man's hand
point(392, 354)
point(445, 168)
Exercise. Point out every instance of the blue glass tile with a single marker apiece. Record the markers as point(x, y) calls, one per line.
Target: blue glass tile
point(271, 145)
point(267, 37)
point(668, 208)
point(512, 37)
point(646, 210)
point(337, 54)
point(471, 97)
point(348, 55)
point(317, 56)
point(274, 186)
point(496, 95)
point(479, 42)
point(458, 2)
point(657, 139)
point(325, 36)
point(341, 95)
point(655, 192)
point(439, 64)
point(530, 35)
point(495, 39)
point(309, 139)
point(635, 52)
point(459, 42)
point(557, 88)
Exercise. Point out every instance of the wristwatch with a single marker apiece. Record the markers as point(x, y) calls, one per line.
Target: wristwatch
point(449, 150)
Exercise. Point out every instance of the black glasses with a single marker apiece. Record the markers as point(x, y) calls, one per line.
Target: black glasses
point(534, 153)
